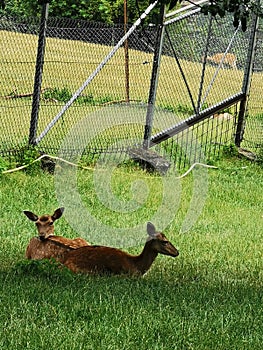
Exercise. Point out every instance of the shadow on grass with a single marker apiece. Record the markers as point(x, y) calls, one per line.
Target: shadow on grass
point(158, 282)
point(163, 308)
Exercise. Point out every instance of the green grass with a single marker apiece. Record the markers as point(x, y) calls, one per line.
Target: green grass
point(210, 297)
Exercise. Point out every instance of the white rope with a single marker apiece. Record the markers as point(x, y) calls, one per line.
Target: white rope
point(193, 166)
point(41, 157)
point(90, 168)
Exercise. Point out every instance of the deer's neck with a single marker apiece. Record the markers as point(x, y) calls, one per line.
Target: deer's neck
point(144, 261)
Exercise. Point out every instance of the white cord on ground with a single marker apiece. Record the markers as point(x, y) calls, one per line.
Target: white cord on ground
point(90, 168)
point(192, 167)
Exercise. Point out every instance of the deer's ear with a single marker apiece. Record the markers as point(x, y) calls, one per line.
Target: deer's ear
point(31, 216)
point(151, 229)
point(57, 213)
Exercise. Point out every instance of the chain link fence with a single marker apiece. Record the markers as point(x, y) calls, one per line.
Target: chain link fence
point(114, 104)
point(253, 134)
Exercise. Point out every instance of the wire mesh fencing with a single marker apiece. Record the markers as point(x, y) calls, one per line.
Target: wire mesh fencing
point(18, 41)
point(253, 133)
point(73, 51)
point(202, 64)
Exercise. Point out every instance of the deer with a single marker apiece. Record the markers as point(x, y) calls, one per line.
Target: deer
point(112, 261)
point(47, 245)
point(229, 59)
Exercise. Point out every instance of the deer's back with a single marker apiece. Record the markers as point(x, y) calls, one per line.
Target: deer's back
point(99, 259)
point(67, 242)
point(47, 249)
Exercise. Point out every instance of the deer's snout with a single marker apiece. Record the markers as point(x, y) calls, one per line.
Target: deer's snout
point(42, 237)
point(45, 230)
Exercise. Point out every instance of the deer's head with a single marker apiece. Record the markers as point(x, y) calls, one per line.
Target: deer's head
point(159, 242)
point(45, 223)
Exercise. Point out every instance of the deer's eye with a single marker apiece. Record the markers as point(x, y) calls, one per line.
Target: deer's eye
point(51, 223)
point(165, 242)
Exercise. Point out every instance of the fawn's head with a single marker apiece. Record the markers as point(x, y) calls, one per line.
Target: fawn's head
point(159, 242)
point(45, 223)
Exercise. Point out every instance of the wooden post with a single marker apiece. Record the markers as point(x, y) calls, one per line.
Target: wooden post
point(126, 55)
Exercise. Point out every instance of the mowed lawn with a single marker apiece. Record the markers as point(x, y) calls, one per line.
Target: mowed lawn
point(209, 297)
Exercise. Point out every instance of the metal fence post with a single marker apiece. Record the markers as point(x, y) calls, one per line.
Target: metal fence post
point(38, 72)
point(126, 54)
point(154, 80)
point(247, 81)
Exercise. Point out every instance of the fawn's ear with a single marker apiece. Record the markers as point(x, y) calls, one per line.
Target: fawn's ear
point(151, 230)
point(57, 213)
point(31, 216)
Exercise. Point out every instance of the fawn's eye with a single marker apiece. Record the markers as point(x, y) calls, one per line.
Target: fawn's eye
point(164, 242)
point(51, 223)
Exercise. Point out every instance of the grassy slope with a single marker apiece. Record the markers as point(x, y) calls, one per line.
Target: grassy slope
point(210, 297)
point(69, 63)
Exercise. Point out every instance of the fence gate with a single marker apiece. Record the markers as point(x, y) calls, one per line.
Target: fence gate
point(209, 65)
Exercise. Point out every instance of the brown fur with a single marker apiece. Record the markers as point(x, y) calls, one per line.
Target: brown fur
point(52, 247)
point(100, 259)
point(230, 59)
point(47, 245)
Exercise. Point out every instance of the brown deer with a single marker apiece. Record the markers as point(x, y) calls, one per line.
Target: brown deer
point(47, 245)
point(107, 260)
point(229, 59)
